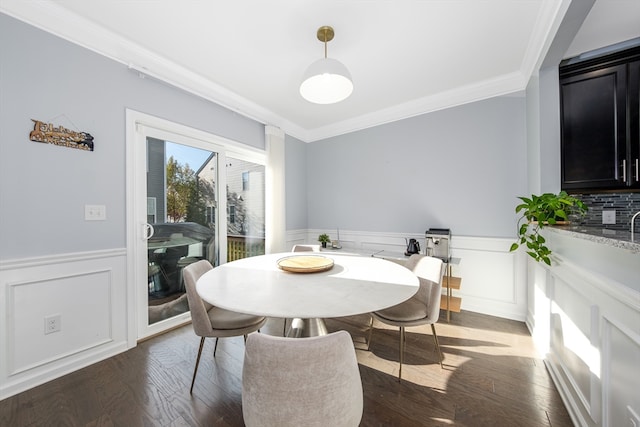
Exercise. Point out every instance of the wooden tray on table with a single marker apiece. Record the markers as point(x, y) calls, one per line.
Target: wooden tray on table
point(305, 263)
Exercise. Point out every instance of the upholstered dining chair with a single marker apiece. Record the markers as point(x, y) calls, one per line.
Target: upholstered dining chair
point(301, 381)
point(421, 309)
point(211, 321)
point(305, 248)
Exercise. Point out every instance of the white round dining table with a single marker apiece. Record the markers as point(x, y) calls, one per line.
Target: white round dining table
point(354, 285)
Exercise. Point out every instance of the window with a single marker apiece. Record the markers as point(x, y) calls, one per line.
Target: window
point(245, 181)
point(151, 210)
point(210, 215)
point(232, 214)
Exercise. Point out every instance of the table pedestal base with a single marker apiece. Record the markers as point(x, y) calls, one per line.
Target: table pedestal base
point(303, 328)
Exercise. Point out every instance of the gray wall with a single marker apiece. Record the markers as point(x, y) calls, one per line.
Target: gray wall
point(543, 132)
point(549, 130)
point(43, 188)
point(295, 160)
point(459, 168)
point(156, 179)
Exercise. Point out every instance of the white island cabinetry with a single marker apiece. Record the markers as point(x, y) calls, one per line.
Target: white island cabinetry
point(584, 314)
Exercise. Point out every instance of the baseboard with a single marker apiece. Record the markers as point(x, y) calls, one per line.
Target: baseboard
point(86, 291)
point(565, 395)
point(11, 387)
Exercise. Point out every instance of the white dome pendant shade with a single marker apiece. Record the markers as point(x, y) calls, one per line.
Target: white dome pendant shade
point(327, 80)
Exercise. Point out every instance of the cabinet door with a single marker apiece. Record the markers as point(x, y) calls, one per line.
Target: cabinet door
point(593, 122)
point(633, 89)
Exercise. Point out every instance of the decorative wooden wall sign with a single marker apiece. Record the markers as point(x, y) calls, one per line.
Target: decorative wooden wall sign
point(46, 132)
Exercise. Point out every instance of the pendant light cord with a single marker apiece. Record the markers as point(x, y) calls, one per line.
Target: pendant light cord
point(325, 43)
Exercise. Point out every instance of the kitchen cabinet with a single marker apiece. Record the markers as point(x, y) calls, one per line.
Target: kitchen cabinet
point(584, 316)
point(600, 129)
point(634, 121)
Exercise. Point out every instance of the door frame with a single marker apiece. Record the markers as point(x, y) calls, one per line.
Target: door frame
point(138, 127)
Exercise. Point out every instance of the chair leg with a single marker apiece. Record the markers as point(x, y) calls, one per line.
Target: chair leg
point(370, 333)
point(195, 371)
point(284, 327)
point(215, 347)
point(435, 338)
point(401, 352)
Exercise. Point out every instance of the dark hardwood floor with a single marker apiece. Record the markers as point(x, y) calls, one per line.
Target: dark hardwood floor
point(492, 377)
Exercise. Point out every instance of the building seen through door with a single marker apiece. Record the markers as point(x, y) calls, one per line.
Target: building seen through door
point(182, 210)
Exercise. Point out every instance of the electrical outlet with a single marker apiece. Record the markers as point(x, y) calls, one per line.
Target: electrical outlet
point(608, 217)
point(52, 324)
point(95, 212)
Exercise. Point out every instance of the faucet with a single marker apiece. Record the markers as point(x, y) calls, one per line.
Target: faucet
point(633, 218)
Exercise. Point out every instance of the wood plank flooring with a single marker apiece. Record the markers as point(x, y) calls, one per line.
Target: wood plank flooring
point(492, 377)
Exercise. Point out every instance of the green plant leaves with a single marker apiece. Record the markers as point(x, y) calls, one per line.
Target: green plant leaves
point(544, 209)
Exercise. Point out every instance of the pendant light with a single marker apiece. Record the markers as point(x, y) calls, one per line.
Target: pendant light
point(327, 80)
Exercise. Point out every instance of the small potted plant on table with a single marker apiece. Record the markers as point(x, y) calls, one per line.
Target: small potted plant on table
point(539, 211)
point(324, 239)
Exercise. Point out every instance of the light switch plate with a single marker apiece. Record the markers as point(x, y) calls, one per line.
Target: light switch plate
point(608, 217)
point(95, 212)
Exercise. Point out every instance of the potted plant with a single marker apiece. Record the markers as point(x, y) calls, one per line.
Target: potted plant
point(324, 239)
point(539, 211)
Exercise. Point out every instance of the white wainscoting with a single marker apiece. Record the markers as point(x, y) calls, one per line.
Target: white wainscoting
point(589, 328)
point(88, 293)
point(493, 279)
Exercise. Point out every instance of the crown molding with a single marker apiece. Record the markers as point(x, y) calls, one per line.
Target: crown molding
point(545, 29)
point(51, 17)
point(504, 85)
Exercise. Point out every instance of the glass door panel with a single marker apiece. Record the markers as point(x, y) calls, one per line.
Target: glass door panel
point(181, 211)
point(176, 204)
point(245, 208)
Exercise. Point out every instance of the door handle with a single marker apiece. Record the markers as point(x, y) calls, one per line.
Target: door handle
point(637, 174)
point(148, 231)
point(624, 170)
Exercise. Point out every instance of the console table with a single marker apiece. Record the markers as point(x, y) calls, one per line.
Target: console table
point(448, 302)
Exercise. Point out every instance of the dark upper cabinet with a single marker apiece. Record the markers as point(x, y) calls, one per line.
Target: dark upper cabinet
point(634, 122)
point(600, 140)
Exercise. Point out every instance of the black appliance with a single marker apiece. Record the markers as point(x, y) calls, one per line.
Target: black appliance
point(413, 247)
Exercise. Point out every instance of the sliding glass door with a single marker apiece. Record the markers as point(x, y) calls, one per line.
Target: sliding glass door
point(191, 196)
point(245, 208)
point(181, 205)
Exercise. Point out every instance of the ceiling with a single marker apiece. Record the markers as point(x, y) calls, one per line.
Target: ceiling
point(406, 57)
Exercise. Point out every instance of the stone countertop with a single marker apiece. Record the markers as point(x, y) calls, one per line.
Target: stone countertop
point(616, 238)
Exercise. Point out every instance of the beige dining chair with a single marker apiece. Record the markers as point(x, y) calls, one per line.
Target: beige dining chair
point(421, 309)
point(301, 381)
point(305, 248)
point(211, 321)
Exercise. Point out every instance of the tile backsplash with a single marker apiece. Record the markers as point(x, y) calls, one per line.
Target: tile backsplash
point(625, 205)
